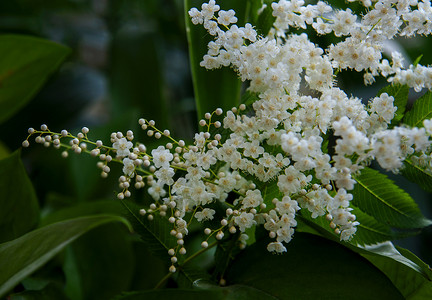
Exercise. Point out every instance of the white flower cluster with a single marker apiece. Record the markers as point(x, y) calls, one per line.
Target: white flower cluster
point(278, 61)
point(267, 164)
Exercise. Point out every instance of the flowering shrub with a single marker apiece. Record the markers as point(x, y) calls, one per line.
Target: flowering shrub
point(297, 154)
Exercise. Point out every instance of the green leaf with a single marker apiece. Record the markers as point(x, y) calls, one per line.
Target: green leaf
point(400, 95)
point(22, 256)
point(144, 261)
point(49, 292)
point(189, 275)
point(248, 98)
point(400, 266)
point(19, 211)
point(312, 268)
point(417, 60)
point(370, 231)
point(232, 292)
point(25, 65)
point(212, 88)
point(225, 253)
point(409, 274)
point(4, 150)
point(261, 18)
point(170, 294)
point(111, 207)
point(421, 110)
point(136, 77)
point(100, 264)
point(417, 175)
point(379, 197)
point(155, 234)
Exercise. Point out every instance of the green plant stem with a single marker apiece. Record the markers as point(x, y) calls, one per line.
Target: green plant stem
point(196, 254)
point(163, 280)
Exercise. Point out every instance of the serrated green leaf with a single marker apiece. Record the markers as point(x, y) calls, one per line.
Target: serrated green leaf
point(25, 64)
point(400, 95)
point(19, 211)
point(417, 175)
point(24, 255)
point(421, 110)
point(155, 233)
point(379, 197)
point(370, 231)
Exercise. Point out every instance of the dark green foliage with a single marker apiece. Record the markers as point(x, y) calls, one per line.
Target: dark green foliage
point(19, 211)
point(25, 64)
point(379, 197)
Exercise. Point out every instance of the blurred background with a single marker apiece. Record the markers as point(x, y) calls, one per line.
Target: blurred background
point(129, 60)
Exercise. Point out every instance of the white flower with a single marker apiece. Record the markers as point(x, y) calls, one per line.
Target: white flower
point(244, 220)
point(226, 17)
point(128, 167)
point(205, 214)
point(165, 175)
point(156, 191)
point(196, 16)
point(122, 146)
point(252, 199)
point(161, 157)
point(287, 206)
point(290, 181)
point(276, 247)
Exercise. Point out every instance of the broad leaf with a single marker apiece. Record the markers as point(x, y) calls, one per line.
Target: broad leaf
point(25, 64)
point(400, 95)
point(189, 276)
point(111, 207)
point(379, 197)
point(100, 264)
point(421, 110)
point(370, 231)
point(4, 150)
point(312, 268)
point(19, 206)
point(407, 272)
point(24, 255)
point(233, 292)
point(417, 175)
point(48, 292)
point(410, 275)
